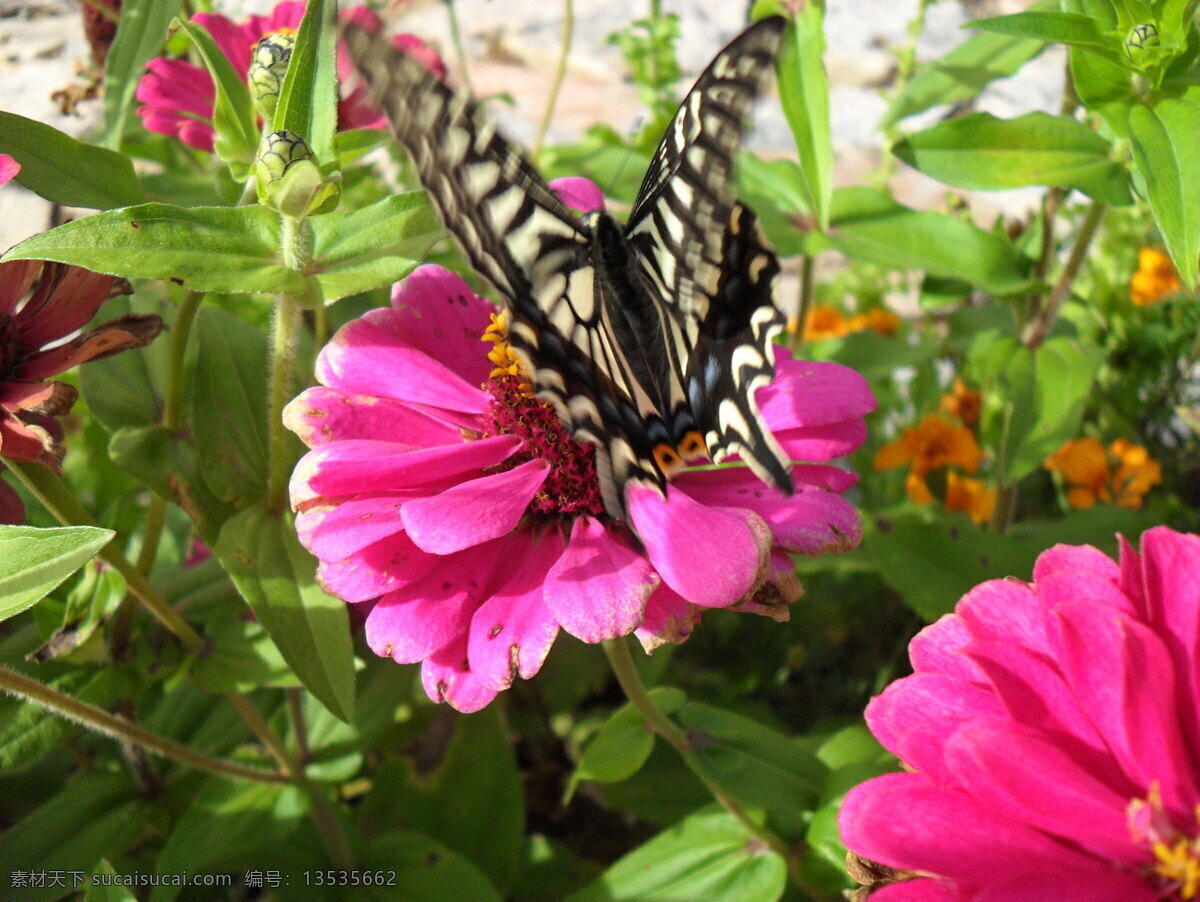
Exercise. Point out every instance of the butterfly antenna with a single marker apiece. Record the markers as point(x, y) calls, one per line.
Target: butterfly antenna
point(633, 130)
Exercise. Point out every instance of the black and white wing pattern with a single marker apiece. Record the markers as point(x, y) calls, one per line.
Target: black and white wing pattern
point(650, 338)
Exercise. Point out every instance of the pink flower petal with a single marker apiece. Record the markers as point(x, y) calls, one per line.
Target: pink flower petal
point(9, 168)
point(434, 308)
point(598, 589)
point(355, 524)
point(668, 618)
point(447, 677)
point(807, 393)
point(352, 467)
point(920, 890)
point(321, 415)
point(232, 39)
point(511, 633)
point(1006, 610)
point(364, 358)
point(711, 557)
point(1075, 557)
point(386, 566)
point(578, 193)
point(177, 87)
point(827, 441)
point(938, 649)
point(412, 623)
point(823, 476)
point(1097, 884)
point(475, 511)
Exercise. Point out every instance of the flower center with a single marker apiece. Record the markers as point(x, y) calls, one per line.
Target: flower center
point(1176, 868)
point(571, 488)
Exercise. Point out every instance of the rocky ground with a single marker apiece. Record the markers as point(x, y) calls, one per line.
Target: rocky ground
point(512, 46)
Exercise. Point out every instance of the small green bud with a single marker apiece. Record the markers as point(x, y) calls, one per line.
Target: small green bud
point(288, 177)
point(1143, 44)
point(267, 67)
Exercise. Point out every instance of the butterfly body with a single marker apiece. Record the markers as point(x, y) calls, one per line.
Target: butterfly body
point(650, 337)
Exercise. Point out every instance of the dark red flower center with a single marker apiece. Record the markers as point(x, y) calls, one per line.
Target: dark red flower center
point(572, 488)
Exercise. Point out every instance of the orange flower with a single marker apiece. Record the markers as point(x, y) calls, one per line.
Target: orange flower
point(824, 322)
point(971, 496)
point(935, 442)
point(1085, 466)
point(877, 319)
point(1155, 278)
point(963, 403)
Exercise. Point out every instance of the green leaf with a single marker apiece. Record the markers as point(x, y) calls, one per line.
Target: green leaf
point(1164, 147)
point(758, 765)
point(97, 815)
point(105, 892)
point(982, 152)
point(274, 574)
point(869, 226)
point(229, 398)
point(241, 657)
point(65, 171)
point(140, 34)
point(775, 191)
point(708, 855)
point(804, 94)
point(233, 114)
point(232, 250)
point(308, 99)
point(34, 561)
point(377, 245)
point(472, 801)
point(417, 868)
point(964, 71)
point(1073, 29)
point(624, 742)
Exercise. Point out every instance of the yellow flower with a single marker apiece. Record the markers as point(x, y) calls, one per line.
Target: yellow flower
point(1155, 278)
point(963, 403)
point(824, 322)
point(934, 443)
point(1085, 466)
point(971, 496)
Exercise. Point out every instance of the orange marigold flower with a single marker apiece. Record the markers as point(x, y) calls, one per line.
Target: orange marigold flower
point(1155, 278)
point(964, 403)
point(1085, 466)
point(934, 443)
point(824, 322)
point(917, 489)
point(971, 496)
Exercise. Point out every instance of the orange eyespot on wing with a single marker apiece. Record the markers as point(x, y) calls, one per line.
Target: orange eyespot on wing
point(693, 446)
point(667, 458)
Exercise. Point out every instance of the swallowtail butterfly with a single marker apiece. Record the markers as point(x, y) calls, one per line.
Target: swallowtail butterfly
point(650, 338)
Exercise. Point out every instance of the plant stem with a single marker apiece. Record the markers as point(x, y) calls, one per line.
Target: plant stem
point(296, 249)
point(156, 518)
point(259, 728)
point(807, 266)
point(459, 49)
point(50, 490)
point(181, 330)
point(122, 730)
point(635, 690)
point(559, 73)
point(1039, 328)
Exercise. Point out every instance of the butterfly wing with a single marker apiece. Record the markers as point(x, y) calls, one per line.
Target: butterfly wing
point(704, 256)
point(518, 235)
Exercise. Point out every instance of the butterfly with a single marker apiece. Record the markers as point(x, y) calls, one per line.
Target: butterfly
point(650, 338)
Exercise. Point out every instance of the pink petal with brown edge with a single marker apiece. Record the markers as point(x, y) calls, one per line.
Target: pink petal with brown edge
point(511, 633)
point(668, 618)
point(19, 441)
point(321, 415)
point(103, 341)
point(47, 398)
point(474, 511)
point(447, 677)
point(599, 587)
point(70, 299)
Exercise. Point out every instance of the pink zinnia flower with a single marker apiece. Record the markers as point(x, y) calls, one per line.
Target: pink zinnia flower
point(9, 168)
point(440, 490)
point(41, 304)
point(178, 96)
point(1053, 729)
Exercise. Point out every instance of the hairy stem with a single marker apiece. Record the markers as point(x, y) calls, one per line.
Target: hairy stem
point(120, 729)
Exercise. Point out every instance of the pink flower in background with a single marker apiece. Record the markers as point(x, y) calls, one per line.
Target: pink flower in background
point(8, 168)
point(178, 96)
point(457, 503)
point(1053, 729)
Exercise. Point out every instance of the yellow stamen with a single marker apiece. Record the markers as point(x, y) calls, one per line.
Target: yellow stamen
point(1179, 864)
point(506, 361)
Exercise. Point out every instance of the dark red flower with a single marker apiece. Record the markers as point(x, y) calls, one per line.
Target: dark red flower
point(41, 304)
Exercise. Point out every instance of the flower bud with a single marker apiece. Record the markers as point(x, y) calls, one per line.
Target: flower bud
point(1143, 45)
point(267, 67)
point(289, 179)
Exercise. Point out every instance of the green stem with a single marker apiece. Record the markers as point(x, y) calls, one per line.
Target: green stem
point(265, 734)
point(296, 251)
point(50, 490)
point(559, 74)
point(122, 622)
point(459, 50)
point(631, 684)
point(1039, 328)
point(181, 330)
point(807, 267)
point(120, 729)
